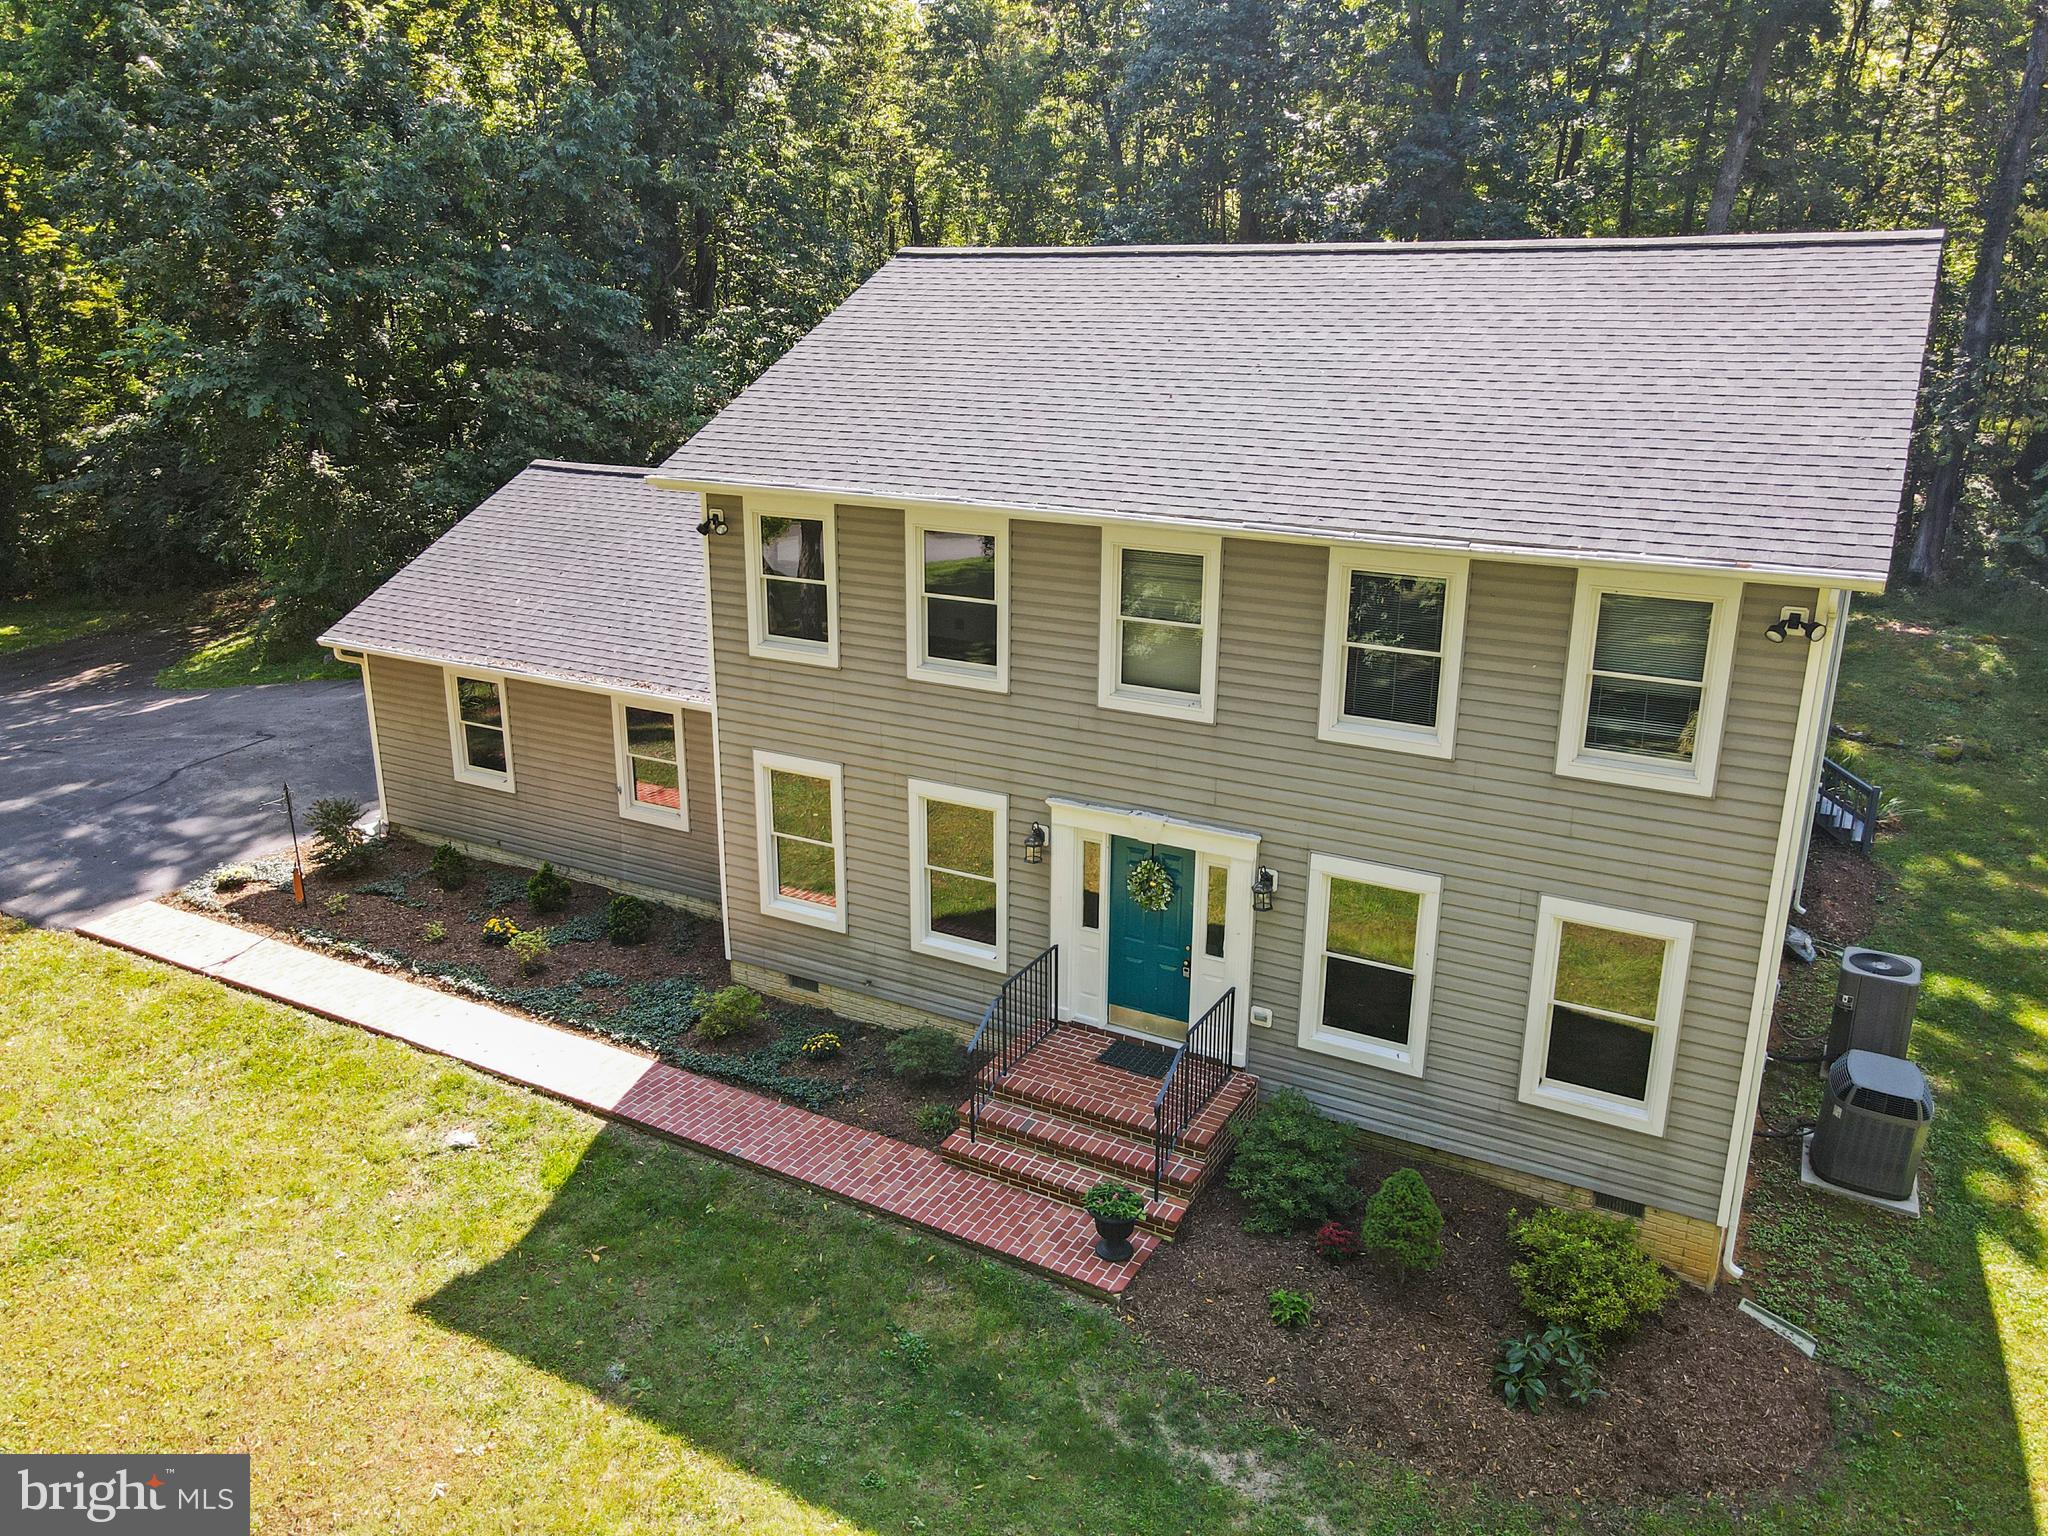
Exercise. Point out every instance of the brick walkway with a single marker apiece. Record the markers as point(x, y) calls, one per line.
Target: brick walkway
point(912, 1183)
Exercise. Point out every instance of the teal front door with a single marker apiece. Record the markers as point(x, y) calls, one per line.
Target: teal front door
point(1149, 952)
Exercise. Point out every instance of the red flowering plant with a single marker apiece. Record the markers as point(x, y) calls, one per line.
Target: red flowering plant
point(1336, 1242)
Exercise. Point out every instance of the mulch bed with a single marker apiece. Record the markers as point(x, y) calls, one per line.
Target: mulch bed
point(392, 921)
point(1702, 1400)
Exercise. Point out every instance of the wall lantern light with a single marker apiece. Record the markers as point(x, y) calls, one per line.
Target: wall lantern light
point(714, 522)
point(1035, 843)
point(1264, 884)
point(1794, 623)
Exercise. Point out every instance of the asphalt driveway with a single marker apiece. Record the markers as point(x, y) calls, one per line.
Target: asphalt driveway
point(112, 789)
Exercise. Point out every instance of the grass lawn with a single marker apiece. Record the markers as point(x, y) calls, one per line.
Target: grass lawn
point(232, 655)
point(224, 1225)
point(29, 622)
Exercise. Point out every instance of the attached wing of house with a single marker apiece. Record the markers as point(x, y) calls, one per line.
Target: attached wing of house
point(1396, 672)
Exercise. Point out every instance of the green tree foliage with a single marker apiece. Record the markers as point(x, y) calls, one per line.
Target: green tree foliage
point(1401, 1225)
point(285, 287)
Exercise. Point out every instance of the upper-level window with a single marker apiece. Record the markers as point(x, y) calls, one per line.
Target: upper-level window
point(1160, 602)
point(800, 810)
point(957, 873)
point(1371, 949)
point(648, 740)
point(1393, 631)
point(1605, 997)
point(478, 730)
point(958, 578)
point(792, 593)
point(1647, 682)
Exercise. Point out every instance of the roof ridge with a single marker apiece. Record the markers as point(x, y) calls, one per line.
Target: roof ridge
point(579, 467)
point(1575, 244)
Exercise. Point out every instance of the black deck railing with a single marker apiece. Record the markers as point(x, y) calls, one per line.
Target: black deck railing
point(1199, 1068)
point(1847, 808)
point(1025, 1010)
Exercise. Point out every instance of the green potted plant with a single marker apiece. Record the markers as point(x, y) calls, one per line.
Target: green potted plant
point(1116, 1209)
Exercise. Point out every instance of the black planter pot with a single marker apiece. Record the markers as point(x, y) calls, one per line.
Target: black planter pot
point(1115, 1247)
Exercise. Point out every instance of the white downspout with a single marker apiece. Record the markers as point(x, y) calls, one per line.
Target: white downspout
point(1808, 740)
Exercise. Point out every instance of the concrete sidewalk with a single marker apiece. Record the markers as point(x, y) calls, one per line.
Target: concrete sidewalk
point(892, 1177)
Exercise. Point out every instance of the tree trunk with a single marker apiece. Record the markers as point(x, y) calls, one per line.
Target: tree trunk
point(1696, 173)
point(1964, 404)
point(1631, 139)
point(1749, 113)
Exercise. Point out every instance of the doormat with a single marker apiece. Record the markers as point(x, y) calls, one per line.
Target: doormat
point(1136, 1056)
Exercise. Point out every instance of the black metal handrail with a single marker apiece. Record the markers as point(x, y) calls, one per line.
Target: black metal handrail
point(1025, 1010)
point(1857, 800)
point(1199, 1068)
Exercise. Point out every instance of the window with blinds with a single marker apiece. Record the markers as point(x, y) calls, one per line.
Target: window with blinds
point(1648, 675)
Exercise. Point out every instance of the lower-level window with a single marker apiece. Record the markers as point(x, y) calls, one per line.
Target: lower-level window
point(476, 720)
point(957, 873)
point(1371, 948)
point(650, 763)
point(1604, 1006)
point(803, 847)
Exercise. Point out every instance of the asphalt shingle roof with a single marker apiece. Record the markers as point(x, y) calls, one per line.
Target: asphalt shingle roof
point(1730, 403)
point(580, 572)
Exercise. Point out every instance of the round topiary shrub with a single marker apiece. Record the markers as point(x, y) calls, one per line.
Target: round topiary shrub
point(926, 1055)
point(731, 1011)
point(548, 889)
point(1588, 1271)
point(450, 867)
point(628, 919)
point(1402, 1226)
point(1293, 1166)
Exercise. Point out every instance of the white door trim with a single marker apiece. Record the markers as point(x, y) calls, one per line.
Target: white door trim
point(1084, 953)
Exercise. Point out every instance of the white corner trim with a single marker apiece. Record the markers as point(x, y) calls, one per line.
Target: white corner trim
point(1646, 1116)
point(1798, 811)
point(1111, 691)
point(485, 778)
point(1310, 1035)
point(943, 946)
point(781, 647)
point(917, 664)
point(773, 904)
point(631, 807)
point(1334, 725)
point(1574, 759)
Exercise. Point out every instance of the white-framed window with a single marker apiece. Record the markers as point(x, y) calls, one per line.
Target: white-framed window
point(793, 582)
point(1370, 953)
point(1393, 634)
point(957, 575)
point(959, 874)
point(1646, 683)
point(479, 728)
point(648, 740)
point(1161, 595)
point(1604, 1004)
point(800, 813)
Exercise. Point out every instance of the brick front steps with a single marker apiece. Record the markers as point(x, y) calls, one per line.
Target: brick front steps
point(1062, 1122)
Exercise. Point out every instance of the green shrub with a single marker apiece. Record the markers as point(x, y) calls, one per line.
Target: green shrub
point(1402, 1226)
point(1293, 1166)
point(731, 1011)
point(926, 1055)
point(628, 919)
point(434, 933)
point(1111, 1201)
point(1586, 1271)
point(531, 948)
point(339, 845)
point(1291, 1309)
point(337, 904)
point(450, 867)
point(936, 1120)
point(1530, 1366)
point(548, 890)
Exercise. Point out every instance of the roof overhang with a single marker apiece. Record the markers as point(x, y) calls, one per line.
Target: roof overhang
point(350, 651)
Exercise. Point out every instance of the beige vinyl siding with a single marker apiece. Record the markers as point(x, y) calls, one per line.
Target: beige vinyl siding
point(1497, 823)
point(566, 803)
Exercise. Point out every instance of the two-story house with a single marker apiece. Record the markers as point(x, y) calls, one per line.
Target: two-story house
point(1409, 663)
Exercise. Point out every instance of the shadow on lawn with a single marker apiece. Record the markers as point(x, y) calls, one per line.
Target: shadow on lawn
point(862, 1367)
